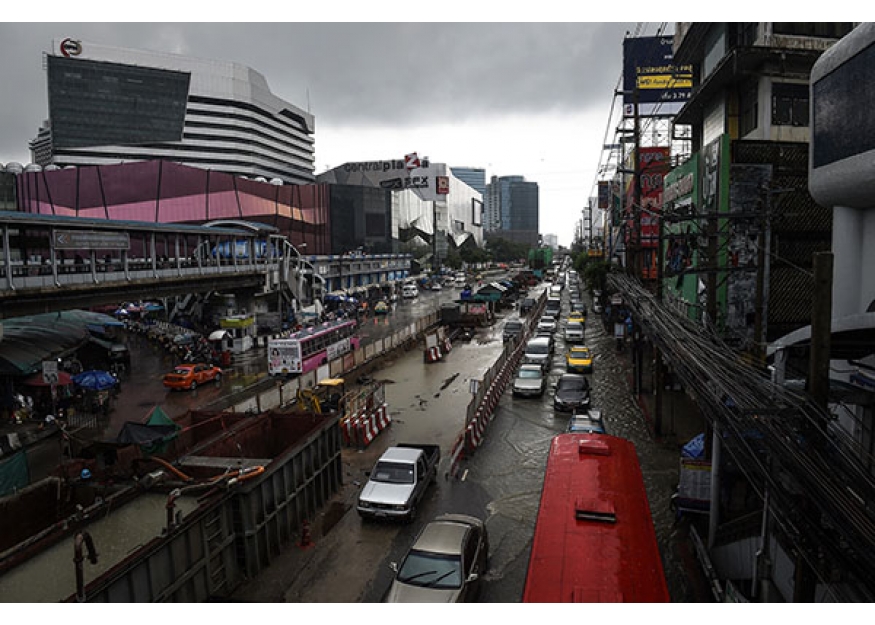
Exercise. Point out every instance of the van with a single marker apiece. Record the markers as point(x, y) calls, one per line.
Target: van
point(553, 307)
point(539, 350)
point(409, 291)
point(513, 329)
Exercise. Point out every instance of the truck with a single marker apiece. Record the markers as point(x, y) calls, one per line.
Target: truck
point(466, 313)
point(398, 482)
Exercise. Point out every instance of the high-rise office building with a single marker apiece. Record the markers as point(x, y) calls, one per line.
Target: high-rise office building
point(111, 105)
point(512, 209)
point(472, 176)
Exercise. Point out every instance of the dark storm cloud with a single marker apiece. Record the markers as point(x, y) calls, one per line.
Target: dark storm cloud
point(352, 73)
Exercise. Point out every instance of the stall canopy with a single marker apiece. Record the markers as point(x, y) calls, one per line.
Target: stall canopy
point(153, 435)
point(28, 341)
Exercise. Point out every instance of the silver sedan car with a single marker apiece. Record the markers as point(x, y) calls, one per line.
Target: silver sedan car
point(530, 381)
point(445, 563)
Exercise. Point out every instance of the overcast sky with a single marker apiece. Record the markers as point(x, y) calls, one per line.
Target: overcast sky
point(517, 98)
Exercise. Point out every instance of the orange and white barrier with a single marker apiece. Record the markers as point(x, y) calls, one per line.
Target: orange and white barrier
point(475, 431)
point(367, 430)
point(433, 354)
point(363, 428)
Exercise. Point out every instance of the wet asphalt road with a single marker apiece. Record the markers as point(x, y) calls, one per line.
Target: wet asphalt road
point(349, 560)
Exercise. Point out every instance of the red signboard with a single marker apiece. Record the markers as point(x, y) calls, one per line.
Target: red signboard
point(442, 185)
point(653, 165)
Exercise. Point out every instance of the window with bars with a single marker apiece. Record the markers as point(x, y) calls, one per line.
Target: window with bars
point(747, 110)
point(789, 104)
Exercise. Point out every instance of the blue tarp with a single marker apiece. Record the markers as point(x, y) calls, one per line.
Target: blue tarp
point(695, 448)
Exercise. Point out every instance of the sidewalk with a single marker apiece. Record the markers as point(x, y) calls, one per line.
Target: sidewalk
point(681, 418)
point(16, 436)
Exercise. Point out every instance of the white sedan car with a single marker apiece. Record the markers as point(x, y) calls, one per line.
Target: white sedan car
point(546, 324)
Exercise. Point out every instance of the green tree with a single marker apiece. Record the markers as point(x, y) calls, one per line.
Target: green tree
point(502, 250)
point(595, 274)
point(473, 254)
point(453, 259)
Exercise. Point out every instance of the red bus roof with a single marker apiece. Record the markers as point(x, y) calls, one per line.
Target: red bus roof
point(594, 539)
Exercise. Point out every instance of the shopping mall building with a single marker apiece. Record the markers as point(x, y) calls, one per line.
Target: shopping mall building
point(150, 136)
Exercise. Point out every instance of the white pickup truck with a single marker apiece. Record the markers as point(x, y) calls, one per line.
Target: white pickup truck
point(398, 482)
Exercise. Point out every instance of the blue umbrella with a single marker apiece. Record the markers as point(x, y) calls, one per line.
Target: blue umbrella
point(95, 380)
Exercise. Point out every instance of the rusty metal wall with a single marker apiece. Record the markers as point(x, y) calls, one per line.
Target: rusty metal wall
point(196, 562)
point(271, 513)
point(234, 537)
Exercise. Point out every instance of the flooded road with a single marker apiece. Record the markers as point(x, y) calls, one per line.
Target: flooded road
point(501, 482)
point(50, 576)
point(348, 559)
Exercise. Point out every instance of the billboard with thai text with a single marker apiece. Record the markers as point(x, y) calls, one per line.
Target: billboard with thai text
point(651, 77)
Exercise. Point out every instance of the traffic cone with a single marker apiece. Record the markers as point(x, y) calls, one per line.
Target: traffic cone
point(305, 535)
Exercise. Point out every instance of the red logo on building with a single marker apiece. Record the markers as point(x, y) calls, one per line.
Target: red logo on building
point(71, 47)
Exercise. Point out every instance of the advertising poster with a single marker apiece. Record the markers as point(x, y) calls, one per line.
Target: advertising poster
point(648, 69)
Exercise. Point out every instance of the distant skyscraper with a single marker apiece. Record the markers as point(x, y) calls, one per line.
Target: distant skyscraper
point(472, 176)
point(512, 209)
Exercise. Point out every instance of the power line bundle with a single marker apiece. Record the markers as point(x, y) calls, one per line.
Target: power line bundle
point(818, 479)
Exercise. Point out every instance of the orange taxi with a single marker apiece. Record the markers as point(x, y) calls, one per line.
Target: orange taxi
point(192, 375)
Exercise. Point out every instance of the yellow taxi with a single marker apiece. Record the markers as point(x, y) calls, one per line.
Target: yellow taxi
point(578, 359)
point(577, 317)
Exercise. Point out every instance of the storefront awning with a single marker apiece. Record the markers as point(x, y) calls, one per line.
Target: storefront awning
point(28, 341)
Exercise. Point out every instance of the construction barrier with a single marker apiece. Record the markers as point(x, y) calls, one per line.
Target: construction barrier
point(348, 430)
point(367, 430)
point(481, 409)
point(362, 428)
point(433, 354)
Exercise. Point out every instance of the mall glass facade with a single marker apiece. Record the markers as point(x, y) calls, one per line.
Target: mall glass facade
point(98, 103)
point(165, 192)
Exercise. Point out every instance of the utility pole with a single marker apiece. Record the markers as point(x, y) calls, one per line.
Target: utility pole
point(711, 207)
point(805, 581)
point(636, 185)
point(658, 382)
point(821, 322)
point(760, 306)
